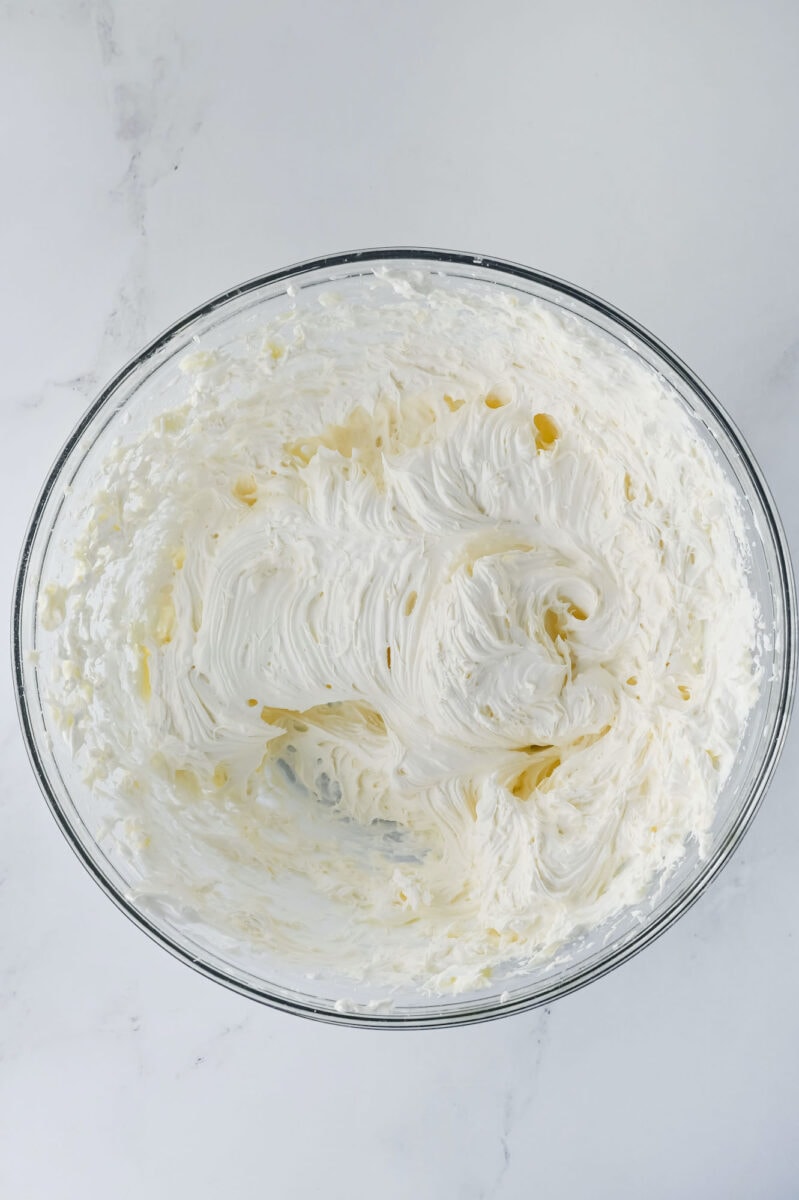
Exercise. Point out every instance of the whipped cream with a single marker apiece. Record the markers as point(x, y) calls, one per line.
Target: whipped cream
point(414, 642)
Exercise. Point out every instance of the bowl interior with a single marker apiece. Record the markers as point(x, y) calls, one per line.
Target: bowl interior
point(153, 383)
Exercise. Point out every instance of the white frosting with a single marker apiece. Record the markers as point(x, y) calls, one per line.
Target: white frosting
point(415, 642)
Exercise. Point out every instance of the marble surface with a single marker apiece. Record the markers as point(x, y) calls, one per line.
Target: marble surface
point(156, 152)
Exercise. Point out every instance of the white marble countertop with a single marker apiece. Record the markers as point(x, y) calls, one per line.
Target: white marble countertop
point(156, 152)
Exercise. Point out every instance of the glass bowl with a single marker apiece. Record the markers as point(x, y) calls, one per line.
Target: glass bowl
point(152, 382)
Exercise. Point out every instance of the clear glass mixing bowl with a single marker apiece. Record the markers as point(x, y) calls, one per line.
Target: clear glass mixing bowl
point(152, 382)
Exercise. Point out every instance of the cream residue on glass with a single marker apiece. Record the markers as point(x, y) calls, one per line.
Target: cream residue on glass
point(414, 643)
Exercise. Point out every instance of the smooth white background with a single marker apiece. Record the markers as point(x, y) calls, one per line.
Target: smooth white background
point(157, 151)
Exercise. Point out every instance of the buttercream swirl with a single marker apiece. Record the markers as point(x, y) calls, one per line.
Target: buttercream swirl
point(415, 641)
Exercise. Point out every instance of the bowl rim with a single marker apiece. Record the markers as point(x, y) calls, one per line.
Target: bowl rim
point(471, 1012)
